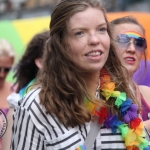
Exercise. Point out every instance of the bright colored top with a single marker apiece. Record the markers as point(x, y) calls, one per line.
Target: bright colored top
point(145, 109)
point(5, 111)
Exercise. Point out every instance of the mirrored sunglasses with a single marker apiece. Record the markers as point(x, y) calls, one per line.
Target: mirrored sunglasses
point(124, 41)
point(5, 69)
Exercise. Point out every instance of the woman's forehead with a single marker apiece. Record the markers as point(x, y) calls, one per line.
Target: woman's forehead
point(85, 18)
point(125, 27)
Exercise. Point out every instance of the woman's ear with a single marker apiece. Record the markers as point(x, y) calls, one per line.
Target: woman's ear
point(38, 62)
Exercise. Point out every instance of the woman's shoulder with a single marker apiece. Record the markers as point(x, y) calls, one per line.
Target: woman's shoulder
point(145, 91)
point(29, 98)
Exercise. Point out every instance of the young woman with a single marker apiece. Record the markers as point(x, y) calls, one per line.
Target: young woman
point(78, 61)
point(129, 36)
point(25, 74)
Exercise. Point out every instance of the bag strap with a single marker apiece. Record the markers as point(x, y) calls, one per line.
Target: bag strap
point(94, 130)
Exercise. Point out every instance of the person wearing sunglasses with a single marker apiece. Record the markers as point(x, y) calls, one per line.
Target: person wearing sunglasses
point(7, 56)
point(131, 45)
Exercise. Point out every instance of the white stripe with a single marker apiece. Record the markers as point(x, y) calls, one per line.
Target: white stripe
point(28, 100)
point(63, 143)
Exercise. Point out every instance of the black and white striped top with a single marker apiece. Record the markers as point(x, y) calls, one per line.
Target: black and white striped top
point(33, 129)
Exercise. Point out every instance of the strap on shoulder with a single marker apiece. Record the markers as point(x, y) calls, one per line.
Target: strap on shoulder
point(94, 130)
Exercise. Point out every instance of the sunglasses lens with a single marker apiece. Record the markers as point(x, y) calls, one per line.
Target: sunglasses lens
point(6, 70)
point(140, 44)
point(122, 39)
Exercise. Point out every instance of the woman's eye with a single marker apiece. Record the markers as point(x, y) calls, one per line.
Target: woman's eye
point(79, 33)
point(103, 29)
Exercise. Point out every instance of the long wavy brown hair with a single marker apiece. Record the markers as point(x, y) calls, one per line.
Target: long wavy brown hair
point(63, 88)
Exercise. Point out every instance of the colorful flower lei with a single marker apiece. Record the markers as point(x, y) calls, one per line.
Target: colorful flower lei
point(132, 129)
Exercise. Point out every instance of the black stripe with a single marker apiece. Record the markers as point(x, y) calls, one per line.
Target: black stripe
point(18, 114)
point(20, 101)
point(114, 149)
point(108, 134)
point(58, 125)
point(30, 148)
point(110, 142)
point(40, 132)
point(20, 128)
point(41, 123)
point(95, 145)
point(25, 136)
point(13, 134)
point(66, 127)
point(45, 118)
point(85, 130)
point(39, 140)
point(12, 147)
point(70, 145)
point(43, 146)
point(103, 127)
point(13, 117)
point(29, 97)
point(30, 105)
point(80, 129)
point(63, 139)
point(13, 128)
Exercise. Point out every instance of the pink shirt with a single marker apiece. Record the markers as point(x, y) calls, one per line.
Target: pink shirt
point(145, 109)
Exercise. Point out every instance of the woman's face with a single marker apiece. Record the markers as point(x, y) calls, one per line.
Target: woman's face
point(130, 55)
point(6, 63)
point(88, 39)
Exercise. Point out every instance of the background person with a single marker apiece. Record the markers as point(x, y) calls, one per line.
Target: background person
point(25, 74)
point(7, 56)
point(129, 36)
point(79, 65)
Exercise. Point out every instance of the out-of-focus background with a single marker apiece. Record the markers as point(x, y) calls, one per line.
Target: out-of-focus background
point(19, 9)
point(20, 20)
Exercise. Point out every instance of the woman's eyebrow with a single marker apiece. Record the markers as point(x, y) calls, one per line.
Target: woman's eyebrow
point(84, 28)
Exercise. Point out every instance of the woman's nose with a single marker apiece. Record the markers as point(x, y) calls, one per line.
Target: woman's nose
point(2, 73)
point(131, 46)
point(94, 39)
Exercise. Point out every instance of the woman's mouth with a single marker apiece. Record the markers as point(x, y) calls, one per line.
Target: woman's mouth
point(94, 53)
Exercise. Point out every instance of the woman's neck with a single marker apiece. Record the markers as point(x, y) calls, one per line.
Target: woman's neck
point(132, 86)
point(135, 89)
point(131, 76)
point(92, 83)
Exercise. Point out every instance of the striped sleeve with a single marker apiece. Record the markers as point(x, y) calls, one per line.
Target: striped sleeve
point(25, 136)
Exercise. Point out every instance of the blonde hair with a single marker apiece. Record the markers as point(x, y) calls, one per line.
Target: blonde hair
point(6, 48)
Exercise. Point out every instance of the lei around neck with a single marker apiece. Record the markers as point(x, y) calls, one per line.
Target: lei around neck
point(131, 128)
